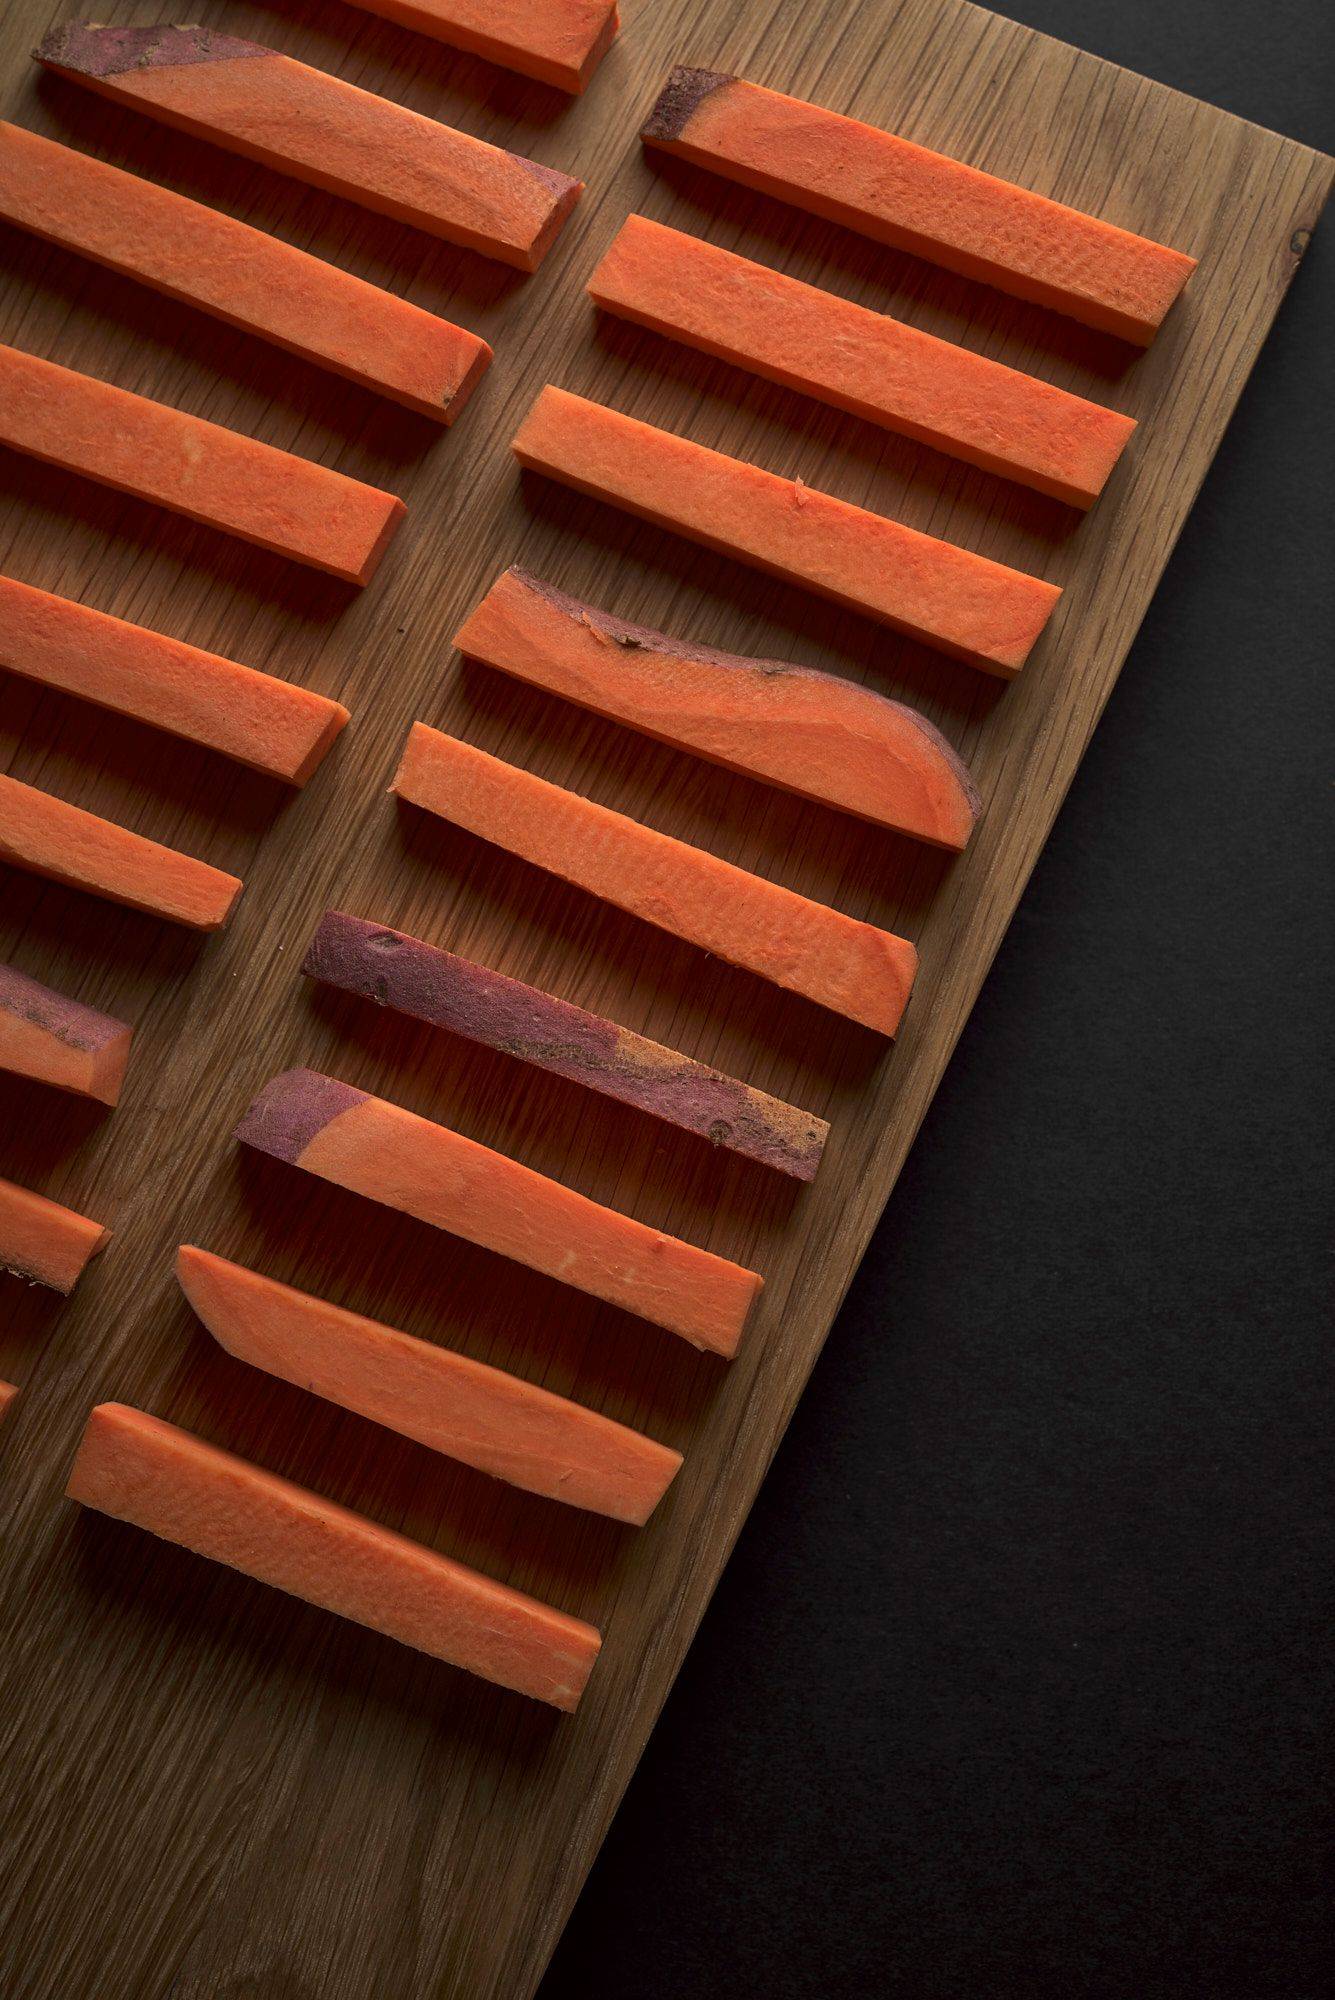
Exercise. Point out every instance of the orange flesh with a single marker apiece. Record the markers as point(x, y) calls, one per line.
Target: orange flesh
point(43, 1242)
point(7, 1395)
point(239, 274)
point(806, 947)
point(138, 1469)
point(920, 201)
point(812, 733)
point(425, 1170)
point(54, 1040)
point(209, 474)
point(491, 1421)
point(962, 604)
point(861, 361)
point(265, 723)
point(311, 125)
point(46, 836)
point(560, 42)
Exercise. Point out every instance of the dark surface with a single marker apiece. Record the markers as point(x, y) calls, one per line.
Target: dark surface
point(1017, 1681)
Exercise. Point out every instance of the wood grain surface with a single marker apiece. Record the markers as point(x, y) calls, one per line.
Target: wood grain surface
point(212, 1791)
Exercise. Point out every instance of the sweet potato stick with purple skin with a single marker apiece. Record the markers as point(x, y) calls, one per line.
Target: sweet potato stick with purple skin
point(417, 979)
point(301, 121)
point(815, 734)
point(390, 1155)
point(59, 1041)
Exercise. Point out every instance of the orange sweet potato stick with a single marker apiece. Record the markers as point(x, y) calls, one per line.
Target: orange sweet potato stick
point(920, 201)
point(238, 274)
point(266, 723)
point(392, 1156)
point(55, 1040)
point(392, 969)
point(861, 361)
point(304, 122)
point(560, 42)
point(490, 1420)
point(815, 734)
point(43, 1242)
point(806, 947)
point(47, 836)
point(195, 468)
point(139, 1469)
point(962, 604)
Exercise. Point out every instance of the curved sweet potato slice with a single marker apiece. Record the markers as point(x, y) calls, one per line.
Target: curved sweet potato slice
point(812, 733)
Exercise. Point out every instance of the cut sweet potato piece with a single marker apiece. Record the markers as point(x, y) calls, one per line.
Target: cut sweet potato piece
point(46, 836)
point(448, 1402)
point(417, 979)
point(861, 361)
point(920, 201)
point(59, 1041)
point(812, 733)
point(7, 1395)
point(560, 42)
point(304, 122)
point(43, 1242)
point(268, 724)
point(848, 966)
point(964, 605)
point(198, 469)
point(139, 1469)
point(239, 274)
point(392, 1156)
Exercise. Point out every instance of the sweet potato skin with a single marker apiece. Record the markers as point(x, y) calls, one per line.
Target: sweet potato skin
point(394, 970)
point(812, 733)
point(56, 1040)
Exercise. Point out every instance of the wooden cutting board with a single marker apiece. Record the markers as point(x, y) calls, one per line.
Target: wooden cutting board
point(213, 1791)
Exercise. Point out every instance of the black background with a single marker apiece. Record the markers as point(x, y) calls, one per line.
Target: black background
point(1015, 1684)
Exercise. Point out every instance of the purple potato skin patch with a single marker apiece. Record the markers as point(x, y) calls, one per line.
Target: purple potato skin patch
point(67, 1021)
point(86, 49)
point(292, 1109)
point(679, 100)
point(394, 970)
point(556, 183)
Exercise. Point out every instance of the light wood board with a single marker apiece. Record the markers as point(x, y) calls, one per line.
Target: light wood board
point(210, 1790)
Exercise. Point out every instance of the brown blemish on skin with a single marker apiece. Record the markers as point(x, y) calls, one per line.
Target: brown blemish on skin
point(90, 50)
point(679, 100)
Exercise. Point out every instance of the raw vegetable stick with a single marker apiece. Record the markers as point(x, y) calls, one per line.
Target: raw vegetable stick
point(417, 979)
point(47, 836)
point(815, 734)
point(806, 947)
point(962, 604)
point(195, 468)
point(559, 42)
point(239, 274)
point(139, 1469)
point(7, 1395)
point(920, 201)
point(269, 724)
point(861, 361)
point(304, 122)
point(423, 1169)
point(55, 1040)
point(490, 1420)
point(43, 1242)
